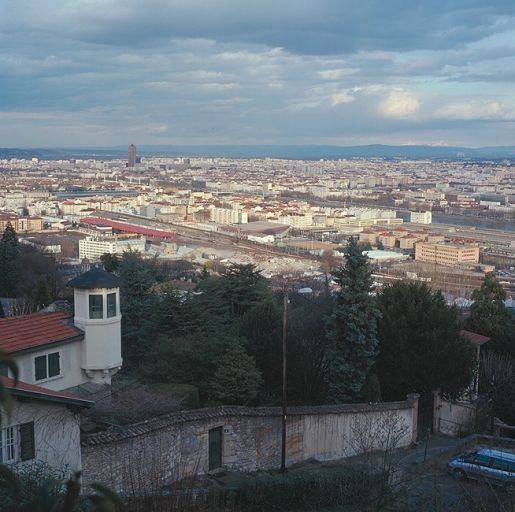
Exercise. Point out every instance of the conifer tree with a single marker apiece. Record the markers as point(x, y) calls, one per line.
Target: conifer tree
point(9, 235)
point(352, 327)
point(43, 296)
point(9, 262)
point(236, 380)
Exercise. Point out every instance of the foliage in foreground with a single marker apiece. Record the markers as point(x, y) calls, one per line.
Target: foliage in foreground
point(39, 488)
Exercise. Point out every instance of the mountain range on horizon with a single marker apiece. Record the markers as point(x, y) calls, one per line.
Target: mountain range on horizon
point(300, 152)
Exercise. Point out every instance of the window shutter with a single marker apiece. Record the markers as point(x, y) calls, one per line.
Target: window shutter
point(40, 365)
point(27, 445)
point(53, 364)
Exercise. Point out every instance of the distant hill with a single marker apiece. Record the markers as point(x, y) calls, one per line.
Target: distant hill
point(305, 152)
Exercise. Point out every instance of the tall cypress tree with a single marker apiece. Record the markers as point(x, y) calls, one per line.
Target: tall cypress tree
point(352, 327)
point(9, 262)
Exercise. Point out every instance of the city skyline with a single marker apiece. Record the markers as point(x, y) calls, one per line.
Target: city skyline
point(103, 73)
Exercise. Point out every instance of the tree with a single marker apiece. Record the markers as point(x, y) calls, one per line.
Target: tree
point(497, 385)
point(307, 348)
point(9, 235)
point(352, 327)
point(137, 305)
point(244, 286)
point(236, 379)
point(9, 263)
point(261, 327)
point(43, 297)
point(490, 317)
point(328, 261)
point(420, 347)
point(110, 261)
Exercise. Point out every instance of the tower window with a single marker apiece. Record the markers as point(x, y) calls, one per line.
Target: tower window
point(111, 305)
point(96, 306)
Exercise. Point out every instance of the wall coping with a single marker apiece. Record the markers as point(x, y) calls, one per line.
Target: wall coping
point(115, 434)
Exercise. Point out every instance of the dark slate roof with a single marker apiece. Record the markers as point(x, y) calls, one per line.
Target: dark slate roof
point(96, 278)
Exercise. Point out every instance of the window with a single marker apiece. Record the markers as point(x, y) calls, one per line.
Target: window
point(47, 366)
point(482, 460)
point(111, 305)
point(8, 445)
point(96, 306)
point(500, 464)
point(17, 443)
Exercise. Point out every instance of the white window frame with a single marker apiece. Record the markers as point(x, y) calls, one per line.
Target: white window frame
point(9, 445)
point(46, 379)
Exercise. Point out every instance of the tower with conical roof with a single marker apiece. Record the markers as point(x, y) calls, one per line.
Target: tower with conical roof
point(97, 313)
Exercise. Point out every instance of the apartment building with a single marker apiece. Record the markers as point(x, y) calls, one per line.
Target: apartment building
point(447, 254)
point(93, 247)
point(20, 224)
point(421, 217)
point(228, 216)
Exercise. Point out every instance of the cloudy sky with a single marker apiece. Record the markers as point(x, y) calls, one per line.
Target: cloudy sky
point(109, 72)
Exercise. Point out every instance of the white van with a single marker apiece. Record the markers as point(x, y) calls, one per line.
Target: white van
point(494, 465)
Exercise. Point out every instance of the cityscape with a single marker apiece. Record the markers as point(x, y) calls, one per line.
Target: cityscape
point(257, 257)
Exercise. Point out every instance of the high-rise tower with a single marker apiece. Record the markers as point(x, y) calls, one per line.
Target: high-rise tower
point(132, 156)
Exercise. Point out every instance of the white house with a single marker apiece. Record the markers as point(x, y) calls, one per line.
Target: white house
point(44, 425)
point(59, 352)
point(55, 352)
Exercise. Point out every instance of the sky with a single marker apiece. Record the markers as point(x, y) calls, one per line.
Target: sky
point(82, 73)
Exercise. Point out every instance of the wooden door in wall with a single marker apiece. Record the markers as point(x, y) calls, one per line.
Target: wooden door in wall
point(215, 448)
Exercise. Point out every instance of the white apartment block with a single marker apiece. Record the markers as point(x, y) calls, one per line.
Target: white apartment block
point(421, 217)
point(93, 247)
point(228, 216)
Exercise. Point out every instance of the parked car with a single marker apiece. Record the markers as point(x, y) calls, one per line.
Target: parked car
point(494, 465)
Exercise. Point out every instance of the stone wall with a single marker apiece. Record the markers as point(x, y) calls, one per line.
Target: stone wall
point(162, 450)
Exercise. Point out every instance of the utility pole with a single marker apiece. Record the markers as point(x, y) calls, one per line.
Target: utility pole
point(284, 401)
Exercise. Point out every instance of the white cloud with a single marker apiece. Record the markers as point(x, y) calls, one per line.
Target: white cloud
point(475, 110)
point(400, 104)
point(341, 98)
point(331, 74)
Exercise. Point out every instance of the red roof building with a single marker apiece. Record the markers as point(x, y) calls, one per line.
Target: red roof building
point(30, 332)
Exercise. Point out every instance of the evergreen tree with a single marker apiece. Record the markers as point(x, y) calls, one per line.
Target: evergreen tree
point(307, 348)
point(489, 316)
point(236, 379)
point(420, 347)
point(138, 305)
point(111, 262)
point(9, 263)
point(352, 327)
point(43, 297)
point(9, 235)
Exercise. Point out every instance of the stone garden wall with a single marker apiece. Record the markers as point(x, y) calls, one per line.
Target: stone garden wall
point(159, 451)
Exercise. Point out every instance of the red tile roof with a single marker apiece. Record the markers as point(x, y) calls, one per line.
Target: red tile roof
point(25, 389)
point(30, 331)
point(474, 338)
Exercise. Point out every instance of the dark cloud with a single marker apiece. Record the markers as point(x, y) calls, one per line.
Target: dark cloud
point(229, 71)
